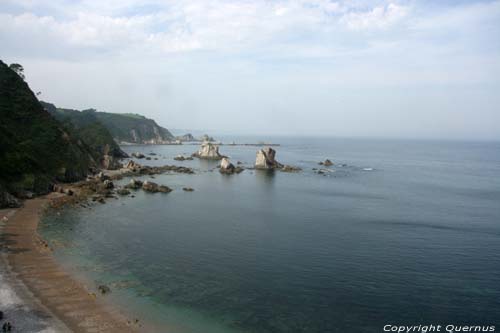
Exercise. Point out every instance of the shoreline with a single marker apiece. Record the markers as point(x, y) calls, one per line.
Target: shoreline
point(63, 301)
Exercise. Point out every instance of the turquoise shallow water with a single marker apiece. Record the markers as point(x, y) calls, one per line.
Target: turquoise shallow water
point(399, 232)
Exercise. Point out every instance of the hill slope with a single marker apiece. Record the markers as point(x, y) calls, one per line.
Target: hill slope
point(35, 150)
point(133, 128)
point(86, 126)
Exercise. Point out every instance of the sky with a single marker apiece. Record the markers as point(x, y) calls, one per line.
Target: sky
point(412, 69)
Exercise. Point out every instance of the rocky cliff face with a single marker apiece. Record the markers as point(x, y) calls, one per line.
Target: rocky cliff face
point(36, 150)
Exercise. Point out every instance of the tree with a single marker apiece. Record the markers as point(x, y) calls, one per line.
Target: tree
point(18, 69)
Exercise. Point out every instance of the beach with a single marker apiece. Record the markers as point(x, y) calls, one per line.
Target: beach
point(37, 295)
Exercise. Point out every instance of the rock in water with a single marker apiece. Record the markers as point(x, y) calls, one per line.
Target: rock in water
point(183, 158)
point(266, 159)
point(327, 162)
point(290, 168)
point(164, 189)
point(138, 155)
point(150, 186)
point(134, 184)
point(226, 166)
point(123, 191)
point(208, 151)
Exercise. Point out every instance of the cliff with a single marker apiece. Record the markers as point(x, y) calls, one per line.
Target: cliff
point(35, 149)
point(133, 128)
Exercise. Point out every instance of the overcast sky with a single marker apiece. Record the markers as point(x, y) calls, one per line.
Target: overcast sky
point(428, 69)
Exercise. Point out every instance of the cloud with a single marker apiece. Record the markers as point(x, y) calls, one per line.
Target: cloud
point(185, 25)
point(378, 17)
point(313, 61)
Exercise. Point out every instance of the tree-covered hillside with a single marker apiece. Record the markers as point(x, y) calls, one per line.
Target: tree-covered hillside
point(134, 128)
point(35, 150)
point(86, 126)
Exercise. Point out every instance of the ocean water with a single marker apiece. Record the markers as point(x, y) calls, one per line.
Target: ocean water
point(396, 232)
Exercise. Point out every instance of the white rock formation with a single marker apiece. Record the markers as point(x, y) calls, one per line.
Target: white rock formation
point(208, 151)
point(226, 166)
point(266, 159)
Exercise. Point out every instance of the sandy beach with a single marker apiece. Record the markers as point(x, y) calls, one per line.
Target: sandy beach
point(36, 294)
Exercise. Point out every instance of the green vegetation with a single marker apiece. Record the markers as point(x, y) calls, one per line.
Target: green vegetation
point(35, 150)
point(85, 126)
point(133, 128)
point(94, 127)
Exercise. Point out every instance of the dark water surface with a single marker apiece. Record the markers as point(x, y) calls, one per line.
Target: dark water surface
point(399, 232)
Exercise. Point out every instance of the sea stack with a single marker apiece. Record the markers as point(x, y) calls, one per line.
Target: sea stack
point(208, 151)
point(266, 159)
point(227, 167)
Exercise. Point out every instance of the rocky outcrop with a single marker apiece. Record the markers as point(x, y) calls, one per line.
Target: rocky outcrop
point(208, 151)
point(138, 155)
point(290, 168)
point(110, 159)
point(226, 167)
point(154, 188)
point(327, 162)
point(134, 184)
point(266, 159)
point(7, 200)
point(123, 191)
point(108, 184)
point(131, 165)
point(183, 158)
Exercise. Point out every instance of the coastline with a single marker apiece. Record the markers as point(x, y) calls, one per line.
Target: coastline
point(57, 298)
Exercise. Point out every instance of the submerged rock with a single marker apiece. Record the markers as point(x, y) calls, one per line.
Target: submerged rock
point(188, 189)
point(265, 159)
point(208, 151)
point(183, 158)
point(290, 168)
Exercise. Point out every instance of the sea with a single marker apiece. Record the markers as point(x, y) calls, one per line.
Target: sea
point(396, 232)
